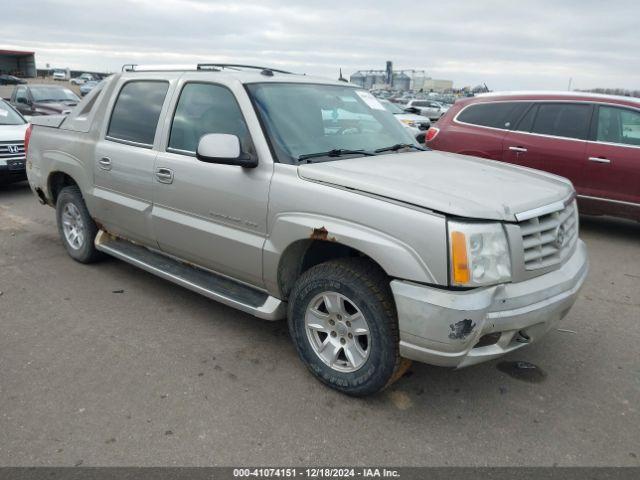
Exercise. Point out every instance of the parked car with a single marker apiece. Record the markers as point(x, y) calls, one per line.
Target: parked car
point(88, 86)
point(12, 131)
point(593, 140)
point(427, 108)
point(61, 74)
point(236, 184)
point(416, 124)
point(11, 80)
point(43, 99)
point(82, 79)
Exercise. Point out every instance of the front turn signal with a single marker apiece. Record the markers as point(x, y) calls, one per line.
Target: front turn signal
point(459, 259)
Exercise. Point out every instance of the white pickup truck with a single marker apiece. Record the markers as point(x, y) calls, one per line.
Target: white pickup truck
point(286, 195)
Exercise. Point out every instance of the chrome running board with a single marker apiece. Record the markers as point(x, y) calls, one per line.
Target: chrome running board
point(209, 284)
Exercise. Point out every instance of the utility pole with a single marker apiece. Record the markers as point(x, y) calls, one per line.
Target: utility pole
point(570, 81)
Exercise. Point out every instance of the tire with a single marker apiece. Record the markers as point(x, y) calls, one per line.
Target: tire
point(337, 291)
point(70, 208)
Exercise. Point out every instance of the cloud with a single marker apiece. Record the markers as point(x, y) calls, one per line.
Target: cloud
point(508, 45)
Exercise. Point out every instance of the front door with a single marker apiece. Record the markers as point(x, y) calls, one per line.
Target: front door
point(23, 102)
point(612, 170)
point(124, 159)
point(210, 214)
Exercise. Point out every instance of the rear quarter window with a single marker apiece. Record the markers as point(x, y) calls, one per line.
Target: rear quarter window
point(496, 115)
point(137, 110)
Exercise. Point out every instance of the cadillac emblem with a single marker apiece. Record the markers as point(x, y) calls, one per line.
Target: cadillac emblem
point(561, 236)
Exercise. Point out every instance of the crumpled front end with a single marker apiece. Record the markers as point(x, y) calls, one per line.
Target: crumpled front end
point(462, 328)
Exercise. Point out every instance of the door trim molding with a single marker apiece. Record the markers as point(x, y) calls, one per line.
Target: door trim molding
point(609, 200)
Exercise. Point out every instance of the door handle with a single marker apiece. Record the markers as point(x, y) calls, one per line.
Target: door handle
point(518, 149)
point(164, 175)
point(105, 163)
point(599, 160)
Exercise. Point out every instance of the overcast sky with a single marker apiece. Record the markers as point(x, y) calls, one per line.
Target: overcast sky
point(515, 44)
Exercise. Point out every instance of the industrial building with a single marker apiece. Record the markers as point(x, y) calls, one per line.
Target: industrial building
point(402, 80)
point(21, 64)
point(436, 85)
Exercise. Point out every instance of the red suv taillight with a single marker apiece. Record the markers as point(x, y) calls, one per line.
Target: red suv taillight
point(431, 134)
point(27, 137)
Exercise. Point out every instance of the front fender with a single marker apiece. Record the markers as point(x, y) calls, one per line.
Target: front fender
point(396, 258)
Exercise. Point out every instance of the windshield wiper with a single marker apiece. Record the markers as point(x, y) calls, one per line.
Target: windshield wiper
point(336, 152)
point(399, 146)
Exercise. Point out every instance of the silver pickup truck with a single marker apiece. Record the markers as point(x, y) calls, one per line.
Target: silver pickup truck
point(291, 196)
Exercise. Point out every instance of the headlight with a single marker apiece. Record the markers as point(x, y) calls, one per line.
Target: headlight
point(410, 123)
point(479, 254)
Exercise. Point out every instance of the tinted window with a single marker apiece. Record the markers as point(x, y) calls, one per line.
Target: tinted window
point(202, 109)
point(526, 123)
point(563, 120)
point(420, 104)
point(136, 112)
point(618, 125)
point(496, 115)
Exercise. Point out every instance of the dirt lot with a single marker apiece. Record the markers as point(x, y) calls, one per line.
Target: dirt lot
point(109, 365)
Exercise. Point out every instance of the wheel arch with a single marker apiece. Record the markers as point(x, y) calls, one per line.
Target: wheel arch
point(302, 255)
point(299, 241)
point(56, 181)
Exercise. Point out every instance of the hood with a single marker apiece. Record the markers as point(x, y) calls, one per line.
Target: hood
point(54, 107)
point(11, 133)
point(445, 182)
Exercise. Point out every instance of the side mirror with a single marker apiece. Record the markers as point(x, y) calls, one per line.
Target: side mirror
point(412, 110)
point(225, 149)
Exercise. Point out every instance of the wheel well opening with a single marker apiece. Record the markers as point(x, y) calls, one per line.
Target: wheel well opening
point(304, 254)
point(57, 181)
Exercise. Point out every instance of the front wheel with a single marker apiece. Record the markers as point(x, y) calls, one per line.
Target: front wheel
point(76, 227)
point(343, 322)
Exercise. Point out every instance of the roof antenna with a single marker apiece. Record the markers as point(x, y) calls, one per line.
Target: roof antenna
point(342, 79)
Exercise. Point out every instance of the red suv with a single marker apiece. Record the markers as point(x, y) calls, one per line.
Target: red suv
point(593, 140)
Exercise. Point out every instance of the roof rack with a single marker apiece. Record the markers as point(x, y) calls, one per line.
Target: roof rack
point(215, 67)
point(234, 66)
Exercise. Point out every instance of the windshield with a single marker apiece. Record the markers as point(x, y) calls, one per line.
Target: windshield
point(8, 116)
point(304, 119)
point(53, 94)
point(392, 107)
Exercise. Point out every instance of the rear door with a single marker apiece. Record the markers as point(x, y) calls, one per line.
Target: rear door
point(124, 159)
point(480, 128)
point(551, 136)
point(612, 167)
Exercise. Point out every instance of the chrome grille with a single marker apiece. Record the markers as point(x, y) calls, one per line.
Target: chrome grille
point(549, 238)
point(12, 150)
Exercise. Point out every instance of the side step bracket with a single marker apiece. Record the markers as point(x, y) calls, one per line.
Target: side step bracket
point(209, 284)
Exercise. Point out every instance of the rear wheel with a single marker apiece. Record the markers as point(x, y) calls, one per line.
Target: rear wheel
point(76, 227)
point(343, 322)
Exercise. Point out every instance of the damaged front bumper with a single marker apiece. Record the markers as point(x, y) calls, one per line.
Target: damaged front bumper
point(462, 328)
